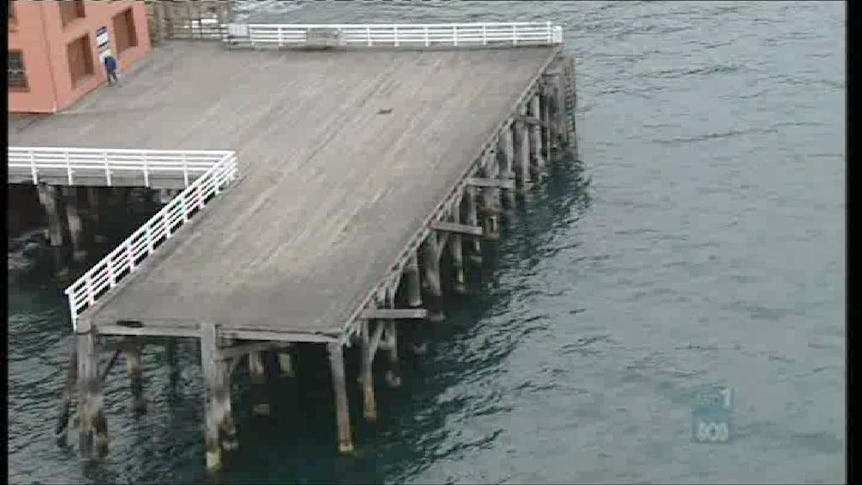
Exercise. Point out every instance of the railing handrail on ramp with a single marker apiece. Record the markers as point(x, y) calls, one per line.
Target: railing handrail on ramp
point(129, 254)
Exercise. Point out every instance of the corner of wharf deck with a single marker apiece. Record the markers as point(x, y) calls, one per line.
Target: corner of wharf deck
point(401, 296)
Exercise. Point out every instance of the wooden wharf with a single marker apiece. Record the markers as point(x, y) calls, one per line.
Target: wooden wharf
point(319, 192)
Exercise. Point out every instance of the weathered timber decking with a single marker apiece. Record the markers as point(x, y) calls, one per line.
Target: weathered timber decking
point(332, 184)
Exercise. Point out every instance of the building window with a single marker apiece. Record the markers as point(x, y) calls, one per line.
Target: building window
point(80, 55)
point(17, 73)
point(71, 10)
point(124, 31)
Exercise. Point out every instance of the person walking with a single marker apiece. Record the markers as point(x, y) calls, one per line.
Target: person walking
point(111, 69)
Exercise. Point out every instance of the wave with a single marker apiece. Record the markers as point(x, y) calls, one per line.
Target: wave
point(24, 251)
point(712, 136)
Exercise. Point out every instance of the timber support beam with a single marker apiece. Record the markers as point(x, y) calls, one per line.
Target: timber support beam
point(342, 412)
point(220, 429)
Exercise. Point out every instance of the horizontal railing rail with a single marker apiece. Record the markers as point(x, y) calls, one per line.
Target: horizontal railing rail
point(203, 29)
point(370, 35)
point(72, 163)
point(128, 256)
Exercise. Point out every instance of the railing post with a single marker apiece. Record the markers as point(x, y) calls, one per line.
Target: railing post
point(146, 171)
point(395, 34)
point(149, 236)
point(484, 35)
point(183, 207)
point(455, 34)
point(368, 35)
point(427, 39)
point(33, 168)
point(548, 31)
point(216, 184)
point(111, 278)
point(73, 311)
point(69, 168)
point(88, 285)
point(514, 34)
point(185, 170)
point(200, 197)
point(107, 168)
point(166, 224)
point(129, 255)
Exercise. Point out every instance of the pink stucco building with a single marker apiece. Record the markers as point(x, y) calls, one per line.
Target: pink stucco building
point(56, 48)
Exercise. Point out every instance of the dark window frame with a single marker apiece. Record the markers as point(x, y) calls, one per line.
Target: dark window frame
point(88, 60)
point(126, 19)
point(17, 72)
point(80, 11)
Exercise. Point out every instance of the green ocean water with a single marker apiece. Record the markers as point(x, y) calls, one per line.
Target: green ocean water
point(699, 239)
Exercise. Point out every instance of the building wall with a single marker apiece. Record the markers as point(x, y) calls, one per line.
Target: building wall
point(38, 31)
point(27, 34)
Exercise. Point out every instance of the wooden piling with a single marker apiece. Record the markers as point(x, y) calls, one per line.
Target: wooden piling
point(51, 203)
point(93, 204)
point(559, 112)
point(456, 253)
point(413, 285)
point(49, 200)
point(93, 425)
point(490, 197)
point(569, 103)
point(257, 371)
point(135, 372)
point(220, 432)
point(550, 90)
point(522, 155)
point(472, 216)
point(537, 161)
point(413, 299)
point(367, 374)
point(393, 373)
point(547, 122)
point(431, 266)
point(73, 221)
point(285, 364)
point(506, 152)
point(342, 411)
point(60, 431)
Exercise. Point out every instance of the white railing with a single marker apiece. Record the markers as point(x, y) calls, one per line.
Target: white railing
point(203, 29)
point(471, 34)
point(72, 163)
point(127, 257)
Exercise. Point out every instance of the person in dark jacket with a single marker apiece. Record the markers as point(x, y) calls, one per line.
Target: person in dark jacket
point(111, 69)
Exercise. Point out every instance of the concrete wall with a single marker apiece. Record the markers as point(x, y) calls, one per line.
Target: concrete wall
point(39, 33)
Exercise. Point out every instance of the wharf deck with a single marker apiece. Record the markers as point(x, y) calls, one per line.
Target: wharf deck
point(341, 155)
